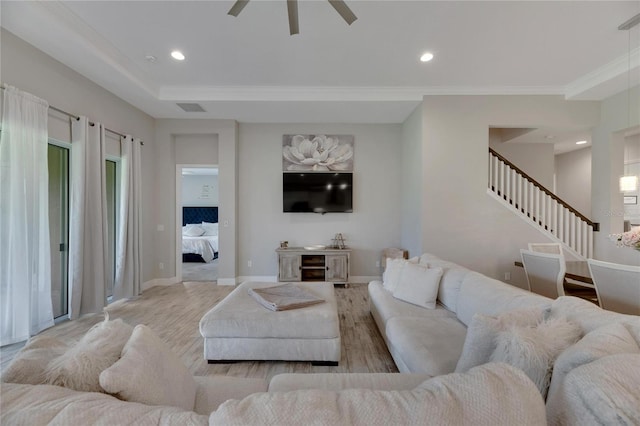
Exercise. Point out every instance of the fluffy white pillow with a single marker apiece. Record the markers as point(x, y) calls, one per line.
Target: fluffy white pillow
point(80, 366)
point(29, 365)
point(210, 229)
point(418, 285)
point(483, 331)
point(150, 373)
point(535, 349)
point(192, 231)
point(391, 274)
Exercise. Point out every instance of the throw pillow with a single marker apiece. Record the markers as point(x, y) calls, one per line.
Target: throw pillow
point(535, 349)
point(608, 340)
point(80, 366)
point(30, 363)
point(150, 373)
point(391, 274)
point(193, 231)
point(418, 285)
point(483, 331)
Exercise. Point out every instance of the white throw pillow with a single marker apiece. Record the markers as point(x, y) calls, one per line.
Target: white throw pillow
point(418, 285)
point(483, 331)
point(535, 349)
point(193, 231)
point(80, 366)
point(150, 373)
point(210, 229)
point(29, 365)
point(391, 274)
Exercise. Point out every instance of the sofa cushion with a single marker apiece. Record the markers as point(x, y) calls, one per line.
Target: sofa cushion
point(481, 294)
point(452, 399)
point(534, 349)
point(426, 345)
point(55, 405)
point(418, 285)
point(611, 339)
point(482, 334)
point(602, 392)
point(339, 381)
point(586, 314)
point(80, 366)
point(150, 373)
point(29, 365)
point(214, 390)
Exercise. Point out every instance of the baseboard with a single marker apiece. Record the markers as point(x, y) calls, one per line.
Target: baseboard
point(226, 281)
point(159, 281)
point(264, 278)
point(363, 278)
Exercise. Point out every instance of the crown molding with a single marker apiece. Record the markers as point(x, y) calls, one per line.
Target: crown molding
point(615, 69)
point(335, 93)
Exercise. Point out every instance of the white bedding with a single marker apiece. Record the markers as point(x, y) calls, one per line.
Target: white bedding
point(205, 246)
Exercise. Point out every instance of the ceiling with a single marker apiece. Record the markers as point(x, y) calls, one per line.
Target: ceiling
point(250, 69)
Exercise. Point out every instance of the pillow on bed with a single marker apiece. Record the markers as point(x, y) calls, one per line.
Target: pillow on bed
point(210, 229)
point(192, 230)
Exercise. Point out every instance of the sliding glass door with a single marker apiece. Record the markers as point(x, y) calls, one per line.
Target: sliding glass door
point(58, 157)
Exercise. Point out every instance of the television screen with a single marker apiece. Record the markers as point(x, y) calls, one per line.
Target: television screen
point(317, 192)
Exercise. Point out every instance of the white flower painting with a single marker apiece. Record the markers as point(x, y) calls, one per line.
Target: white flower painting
point(317, 153)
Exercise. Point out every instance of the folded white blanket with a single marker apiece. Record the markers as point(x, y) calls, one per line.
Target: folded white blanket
point(284, 297)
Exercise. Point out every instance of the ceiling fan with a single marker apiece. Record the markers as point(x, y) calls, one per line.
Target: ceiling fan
point(292, 7)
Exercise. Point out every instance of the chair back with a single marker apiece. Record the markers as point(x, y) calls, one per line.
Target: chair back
point(393, 253)
point(545, 272)
point(554, 248)
point(617, 286)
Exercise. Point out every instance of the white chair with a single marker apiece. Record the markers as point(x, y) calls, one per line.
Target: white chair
point(617, 286)
point(554, 248)
point(545, 272)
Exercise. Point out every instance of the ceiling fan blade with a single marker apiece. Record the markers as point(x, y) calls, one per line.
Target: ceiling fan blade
point(341, 7)
point(237, 7)
point(292, 8)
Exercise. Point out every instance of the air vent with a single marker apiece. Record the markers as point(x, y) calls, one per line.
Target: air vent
point(188, 107)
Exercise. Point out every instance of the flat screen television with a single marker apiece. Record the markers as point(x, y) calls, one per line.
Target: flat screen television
point(317, 192)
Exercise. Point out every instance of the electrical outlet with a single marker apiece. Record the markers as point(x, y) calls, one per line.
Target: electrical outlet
point(161, 266)
point(249, 263)
point(160, 228)
point(507, 276)
point(377, 263)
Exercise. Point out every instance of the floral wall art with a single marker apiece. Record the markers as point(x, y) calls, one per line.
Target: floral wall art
point(317, 153)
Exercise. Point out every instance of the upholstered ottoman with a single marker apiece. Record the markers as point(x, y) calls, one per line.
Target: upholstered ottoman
point(240, 329)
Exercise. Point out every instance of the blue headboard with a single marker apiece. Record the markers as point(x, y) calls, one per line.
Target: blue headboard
point(199, 215)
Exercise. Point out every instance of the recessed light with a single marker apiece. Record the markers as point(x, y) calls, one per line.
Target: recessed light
point(177, 55)
point(581, 142)
point(426, 57)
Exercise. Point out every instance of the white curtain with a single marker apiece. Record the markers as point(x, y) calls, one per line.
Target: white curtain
point(25, 258)
point(87, 220)
point(128, 255)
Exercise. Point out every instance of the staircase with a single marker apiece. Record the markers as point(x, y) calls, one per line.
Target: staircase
point(540, 207)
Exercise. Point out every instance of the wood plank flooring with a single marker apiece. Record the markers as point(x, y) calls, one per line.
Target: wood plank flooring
point(173, 312)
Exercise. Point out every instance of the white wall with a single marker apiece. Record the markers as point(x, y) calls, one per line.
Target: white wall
point(199, 191)
point(632, 168)
point(31, 70)
point(460, 221)
point(373, 225)
point(535, 159)
point(573, 179)
point(411, 180)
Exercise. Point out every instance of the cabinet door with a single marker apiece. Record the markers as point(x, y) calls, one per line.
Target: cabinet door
point(289, 267)
point(337, 268)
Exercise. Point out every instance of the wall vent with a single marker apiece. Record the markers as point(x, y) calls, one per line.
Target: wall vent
point(190, 107)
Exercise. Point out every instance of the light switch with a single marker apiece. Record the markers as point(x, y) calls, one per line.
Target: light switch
point(160, 228)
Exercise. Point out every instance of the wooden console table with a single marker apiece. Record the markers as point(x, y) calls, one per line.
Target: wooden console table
point(300, 264)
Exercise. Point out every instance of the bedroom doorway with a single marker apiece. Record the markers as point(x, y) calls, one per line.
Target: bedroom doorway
point(198, 216)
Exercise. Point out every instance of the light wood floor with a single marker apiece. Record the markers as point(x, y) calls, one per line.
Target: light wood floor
point(174, 312)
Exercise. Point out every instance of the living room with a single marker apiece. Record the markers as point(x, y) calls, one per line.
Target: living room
point(420, 175)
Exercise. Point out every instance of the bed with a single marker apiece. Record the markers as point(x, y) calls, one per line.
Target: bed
point(199, 234)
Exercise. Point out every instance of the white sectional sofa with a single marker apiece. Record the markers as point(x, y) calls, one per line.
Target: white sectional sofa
point(594, 381)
